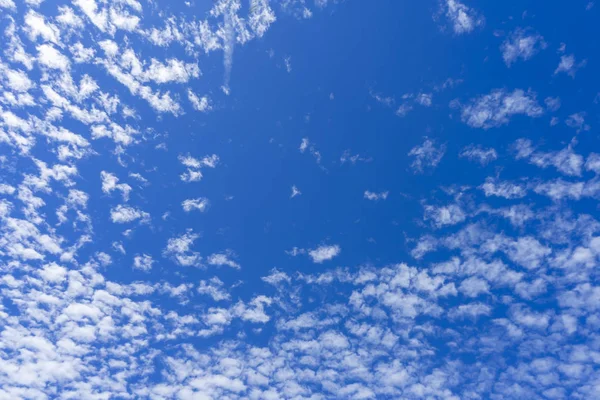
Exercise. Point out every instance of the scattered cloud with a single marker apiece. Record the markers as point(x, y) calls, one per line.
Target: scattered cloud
point(295, 192)
point(222, 260)
point(495, 109)
point(521, 44)
point(305, 145)
point(143, 262)
point(478, 154)
point(427, 156)
point(200, 204)
point(324, 253)
point(179, 250)
point(373, 196)
point(568, 65)
point(462, 18)
point(122, 214)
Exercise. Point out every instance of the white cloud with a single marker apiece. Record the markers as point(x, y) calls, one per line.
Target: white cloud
point(442, 216)
point(569, 65)
point(36, 26)
point(200, 204)
point(295, 192)
point(305, 144)
point(179, 250)
point(193, 173)
point(172, 71)
point(143, 262)
point(52, 58)
point(53, 273)
point(375, 196)
point(347, 156)
point(228, 45)
point(479, 154)
point(577, 121)
point(287, 61)
point(427, 156)
point(508, 190)
point(492, 287)
point(591, 164)
point(324, 253)
point(473, 287)
point(565, 160)
point(213, 288)
point(261, 16)
point(110, 183)
point(9, 4)
point(122, 214)
point(424, 99)
point(521, 44)
point(463, 19)
point(201, 104)
point(222, 260)
point(552, 103)
point(495, 109)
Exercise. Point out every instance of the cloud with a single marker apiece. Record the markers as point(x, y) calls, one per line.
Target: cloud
point(36, 26)
point(347, 156)
point(201, 104)
point(179, 250)
point(193, 173)
point(110, 183)
point(228, 45)
point(569, 65)
point(591, 164)
point(479, 154)
point(565, 161)
point(577, 121)
point(261, 16)
point(214, 288)
point(51, 58)
point(295, 192)
point(508, 190)
point(521, 44)
point(221, 259)
point(443, 216)
point(143, 262)
point(495, 109)
point(502, 262)
point(462, 18)
point(9, 4)
point(552, 103)
point(375, 196)
point(324, 253)
point(427, 156)
point(200, 204)
point(305, 144)
point(123, 214)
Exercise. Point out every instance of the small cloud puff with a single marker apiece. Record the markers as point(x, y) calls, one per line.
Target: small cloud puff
point(324, 253)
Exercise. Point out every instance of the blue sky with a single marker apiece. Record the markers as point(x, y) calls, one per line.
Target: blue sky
point(299, 199)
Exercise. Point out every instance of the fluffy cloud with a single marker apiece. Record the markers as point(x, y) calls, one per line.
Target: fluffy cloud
point(122, 214)
point(324, 253)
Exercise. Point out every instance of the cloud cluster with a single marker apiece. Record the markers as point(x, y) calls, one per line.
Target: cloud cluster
point(496, 297)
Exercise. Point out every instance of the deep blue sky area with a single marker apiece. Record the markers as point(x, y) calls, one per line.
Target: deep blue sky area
point(299, 199)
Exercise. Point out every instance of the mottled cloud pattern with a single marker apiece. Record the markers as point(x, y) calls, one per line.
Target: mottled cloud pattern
point(299, 199)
